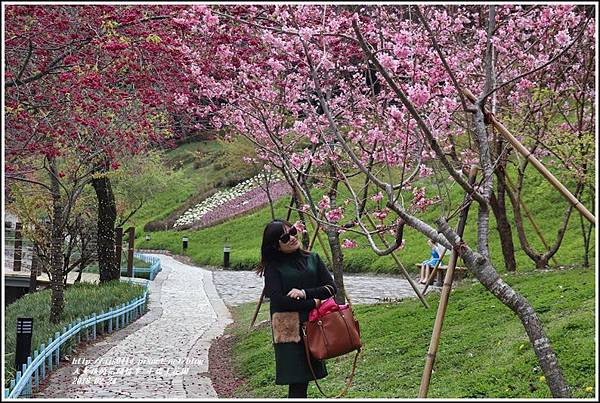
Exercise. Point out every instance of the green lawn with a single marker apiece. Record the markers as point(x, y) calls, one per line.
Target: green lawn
point(484, 351)
point(187, 181)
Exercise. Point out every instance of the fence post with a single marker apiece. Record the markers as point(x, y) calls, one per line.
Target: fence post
point(17, 378)
point(78, 330)
point(50, 356)
point(36, 373)
point(94, 328)
point(69, 345)
point(56, 337)
point(27, 388)
point(43, 364)
point(65, 343)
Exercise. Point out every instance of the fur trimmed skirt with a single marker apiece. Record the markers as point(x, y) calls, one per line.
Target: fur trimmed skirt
point(290, 357)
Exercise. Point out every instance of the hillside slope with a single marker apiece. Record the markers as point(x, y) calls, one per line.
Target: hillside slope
point(243, 234)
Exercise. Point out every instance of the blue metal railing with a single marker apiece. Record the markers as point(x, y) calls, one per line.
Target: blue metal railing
point(48, 356)
point(152, 270)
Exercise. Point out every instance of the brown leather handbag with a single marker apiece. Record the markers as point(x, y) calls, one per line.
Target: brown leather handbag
point(332, 335)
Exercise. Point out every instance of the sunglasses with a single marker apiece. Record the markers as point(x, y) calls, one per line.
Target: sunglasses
point(285, 238)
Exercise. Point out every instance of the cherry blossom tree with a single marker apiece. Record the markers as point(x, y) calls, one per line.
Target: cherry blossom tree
point(97, 82)
point(412, 111)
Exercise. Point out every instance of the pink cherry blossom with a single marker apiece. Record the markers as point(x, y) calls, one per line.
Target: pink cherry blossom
point(324, 204)
point(377, 197)
point(349, 244)
point(335, 214)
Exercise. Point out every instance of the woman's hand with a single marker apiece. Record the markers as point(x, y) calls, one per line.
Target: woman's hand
point(296, 293)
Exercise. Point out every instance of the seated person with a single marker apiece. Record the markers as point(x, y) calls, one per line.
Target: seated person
point(426, 265)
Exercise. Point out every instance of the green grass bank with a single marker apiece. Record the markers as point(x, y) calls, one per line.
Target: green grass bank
point(484, 351)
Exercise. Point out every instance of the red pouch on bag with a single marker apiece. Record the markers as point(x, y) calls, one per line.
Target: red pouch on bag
point(326, 307)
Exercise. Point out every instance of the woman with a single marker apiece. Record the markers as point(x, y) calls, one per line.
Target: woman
point(295, 282)
point(431, 262)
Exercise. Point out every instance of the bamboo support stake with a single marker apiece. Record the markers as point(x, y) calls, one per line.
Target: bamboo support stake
point(437, 327)
point(537, 164)
point(530, 217)
point(445, 295)
point(257, 309)
point(404, 272)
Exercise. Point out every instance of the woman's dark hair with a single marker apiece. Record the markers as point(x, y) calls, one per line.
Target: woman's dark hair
point(269, 250)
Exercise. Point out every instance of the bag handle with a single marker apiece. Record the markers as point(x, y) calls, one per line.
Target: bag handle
point(348, 383)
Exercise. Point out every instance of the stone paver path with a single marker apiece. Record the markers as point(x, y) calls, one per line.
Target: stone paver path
point(238, 287)
point(164, 354)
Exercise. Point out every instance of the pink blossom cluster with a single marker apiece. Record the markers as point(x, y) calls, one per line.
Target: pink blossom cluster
point(381, 214)
point(349, 244)
point(419, 199)
point(334, 215)
point(324, 203)
point(377, 197)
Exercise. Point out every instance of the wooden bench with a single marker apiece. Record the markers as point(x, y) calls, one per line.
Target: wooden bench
point(459, 274)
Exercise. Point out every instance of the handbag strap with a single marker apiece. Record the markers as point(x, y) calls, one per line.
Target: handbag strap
point(348, 383)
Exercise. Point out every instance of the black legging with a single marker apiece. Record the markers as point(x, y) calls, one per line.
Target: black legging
point(298, 390)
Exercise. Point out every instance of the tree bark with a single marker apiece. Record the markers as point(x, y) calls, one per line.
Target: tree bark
point(485, 273)
point(498, 204)
point(337, 257)
point(540, 259)
point(586, 233)
point(56, 248)
point(107, 217)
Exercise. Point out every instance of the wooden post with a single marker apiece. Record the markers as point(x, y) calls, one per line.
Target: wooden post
point(530, 217)
point(537, 164)
point(17, 255)
point(446, 288)
point(118, 247)
point(260, 300)
point(131, 240)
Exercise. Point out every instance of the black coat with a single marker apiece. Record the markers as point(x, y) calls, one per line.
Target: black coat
point(301, 270)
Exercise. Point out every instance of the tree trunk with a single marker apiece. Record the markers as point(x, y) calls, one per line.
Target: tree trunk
point(270, 203)
point(540, 259)
point(337, 261)
point(56, 248)
point(107, 216)
point(268, 192)
point(337, 257)
point(503, 226)
point(586, 233)
point(485, 273)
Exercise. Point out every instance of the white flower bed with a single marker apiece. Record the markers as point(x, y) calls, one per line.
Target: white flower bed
point(198, 211)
